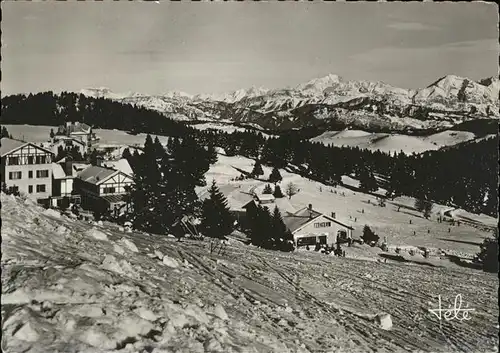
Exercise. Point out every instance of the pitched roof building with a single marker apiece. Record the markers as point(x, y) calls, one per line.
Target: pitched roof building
point(310, 227)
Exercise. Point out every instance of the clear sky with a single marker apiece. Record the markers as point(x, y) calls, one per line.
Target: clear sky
point(217, 47)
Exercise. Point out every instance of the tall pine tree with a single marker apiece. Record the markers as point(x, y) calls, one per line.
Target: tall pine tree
point(216, 220)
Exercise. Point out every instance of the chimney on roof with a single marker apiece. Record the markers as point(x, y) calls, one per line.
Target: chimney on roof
point(333, 215)
point(310, 208)
point(99, 161)
point(68, 167)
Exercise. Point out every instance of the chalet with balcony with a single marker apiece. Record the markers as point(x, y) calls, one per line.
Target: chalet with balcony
point(78, 131)
point(310, 227)
point(102, 189)
point(27, 168)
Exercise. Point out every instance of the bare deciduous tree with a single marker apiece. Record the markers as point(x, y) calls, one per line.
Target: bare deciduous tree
point(291, 189)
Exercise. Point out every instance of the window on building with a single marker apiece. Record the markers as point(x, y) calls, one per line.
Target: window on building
point(109, 190)
point(15, 175)
point(30, 189)
point(322, 239)
point(31, 159)
point(306, 241)
point(41, 159)
point(30, 174)
point(342, 234)
point(13, 160)
point(42, 173)
point(322, 224)
point(40, 188)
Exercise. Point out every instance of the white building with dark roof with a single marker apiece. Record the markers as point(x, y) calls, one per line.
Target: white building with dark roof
point(102, 189)
point(27, 168)
point(310, 227)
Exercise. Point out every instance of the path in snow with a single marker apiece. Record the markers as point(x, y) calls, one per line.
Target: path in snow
point(69, 286)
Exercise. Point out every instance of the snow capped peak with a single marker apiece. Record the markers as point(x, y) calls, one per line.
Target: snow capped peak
point(448, 81)
point(318, 85)
point(177, 94)
point(104, 92)
point(97, 91)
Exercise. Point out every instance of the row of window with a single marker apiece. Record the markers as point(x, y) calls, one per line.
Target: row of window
point(322, 224)
point(39, 188)
point(109, 190)
point(30, 160)
point(19, 175)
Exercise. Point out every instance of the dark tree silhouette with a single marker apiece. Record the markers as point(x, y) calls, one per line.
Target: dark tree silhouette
point(275, 176)
point(216, 219)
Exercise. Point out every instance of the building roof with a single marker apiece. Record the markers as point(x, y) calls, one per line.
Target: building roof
point(122, 165)
point(60, 139)
point(96, 175)
point(10, 145)
point(78, 128)
point(297, 220)
point(78, 167)
point(58, 171)
point(114, 198)
point(265, 197)
point(294, 221)
point(236, 198)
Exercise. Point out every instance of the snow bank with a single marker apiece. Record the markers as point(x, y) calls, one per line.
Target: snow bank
point(96, 234)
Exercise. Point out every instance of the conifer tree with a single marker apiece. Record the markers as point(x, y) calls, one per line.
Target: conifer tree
point(257, 169)
point(277, 192)
point(126, 154)
point(216, 220)
point(159, 150)
point(52, 133)
point(275, 176)
point(211, 154)
point(259, 225)
point(367, 181)
point(267, 189)
point(423, 205)
point(5, 133)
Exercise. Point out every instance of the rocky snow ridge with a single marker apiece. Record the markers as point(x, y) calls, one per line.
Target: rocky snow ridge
point(449, 100)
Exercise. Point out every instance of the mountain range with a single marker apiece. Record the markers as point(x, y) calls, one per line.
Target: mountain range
point(331, 100)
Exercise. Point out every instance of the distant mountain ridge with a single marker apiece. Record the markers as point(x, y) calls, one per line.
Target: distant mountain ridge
point(331, 99)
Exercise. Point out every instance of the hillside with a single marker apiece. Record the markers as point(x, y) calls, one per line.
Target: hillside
point(70, 286)
point(332, 100)
point(390, 143)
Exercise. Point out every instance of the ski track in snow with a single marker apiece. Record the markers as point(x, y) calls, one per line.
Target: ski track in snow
point(66, 288)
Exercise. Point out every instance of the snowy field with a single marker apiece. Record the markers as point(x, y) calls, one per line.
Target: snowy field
point(40, 134)
point(357, 209)
point(215, 126)
point(69, 286)
point(390, 143)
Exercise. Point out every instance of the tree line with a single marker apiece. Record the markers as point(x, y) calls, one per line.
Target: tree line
point(47, 108)
point(464, 176)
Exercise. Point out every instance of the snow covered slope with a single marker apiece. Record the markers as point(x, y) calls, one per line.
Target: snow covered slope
point(69, 286)
point(390, 143)
point(449, 100)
